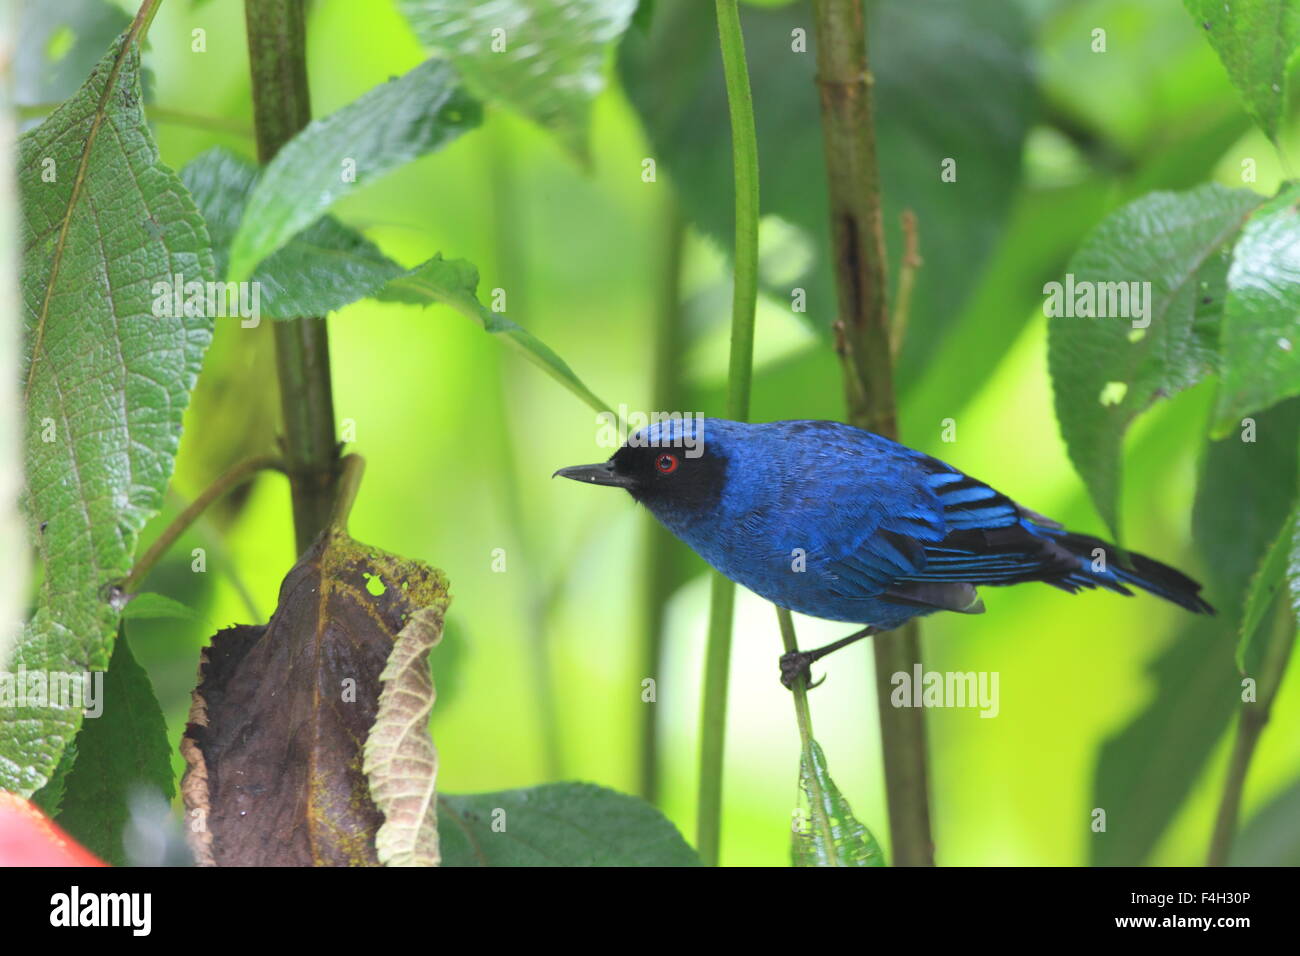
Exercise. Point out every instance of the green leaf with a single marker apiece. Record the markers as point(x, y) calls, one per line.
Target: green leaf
point(1264, 587)
point(454, 282)
point(1107, 371)
point(966, 62)
point(321, 269)
point(50, 797)
point(106, 380)
point(332, 157)
point(150, 606)
point(400, 761)
point(118, 752)
point(542, 58)
point(557, 824)
point(832, 835)
point(1272, 836)
point(1261, 333)
point(1256, 40)
point(1146, 770)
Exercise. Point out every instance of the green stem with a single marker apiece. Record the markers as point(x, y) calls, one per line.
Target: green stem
point(226, 483)
point(661, 548)
point(803, 717)
point(144, 19)
point(1250, 727)
point(281, 107)
point(744, 148)
point(864, 343)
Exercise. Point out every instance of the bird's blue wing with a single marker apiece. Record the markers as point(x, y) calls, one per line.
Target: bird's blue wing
point(964, 533)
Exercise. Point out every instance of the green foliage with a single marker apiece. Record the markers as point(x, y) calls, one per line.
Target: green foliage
point(319, 270)
point(542, 58)
point(1264, 587)
point(953, 80)
point(1146, 770)
point(831, 835)
point(1261, 337)
point(332, 157)
point(1259, 44)
point(967, 62)
point(105, 381)
point(1272, 837)
point(454, 282)
point(150, 606)
point(118, 753)
point(1108, 370)
point(558, 824)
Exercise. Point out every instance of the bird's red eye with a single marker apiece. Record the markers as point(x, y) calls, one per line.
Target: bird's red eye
point(666, 464)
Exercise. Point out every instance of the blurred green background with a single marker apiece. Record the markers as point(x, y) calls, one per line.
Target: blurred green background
point(540, 677)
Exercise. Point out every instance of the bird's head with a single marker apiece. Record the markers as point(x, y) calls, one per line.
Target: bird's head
point(671, 467)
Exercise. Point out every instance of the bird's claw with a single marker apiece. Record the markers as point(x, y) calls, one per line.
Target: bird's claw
point(796, 664)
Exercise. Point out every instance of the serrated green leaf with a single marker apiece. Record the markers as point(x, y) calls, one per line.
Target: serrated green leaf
point(387, 127)
point(1106, 371)
point(1261, 319)
point(1255, 39)
point(118, 752)
point(830, 835)
point(543, 58)
point(50, 797)
point(967, 62)
point(557, 824)
point(321, 269)
point(105, 380)
point(1264, 586)
point(454, 282)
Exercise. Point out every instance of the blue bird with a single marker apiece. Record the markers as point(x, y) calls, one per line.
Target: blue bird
point(839, 523)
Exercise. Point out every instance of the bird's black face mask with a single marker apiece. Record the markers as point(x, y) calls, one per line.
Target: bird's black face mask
point(661, 478)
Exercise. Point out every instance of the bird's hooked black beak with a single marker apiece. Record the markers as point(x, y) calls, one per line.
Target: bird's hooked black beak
point(601, 474)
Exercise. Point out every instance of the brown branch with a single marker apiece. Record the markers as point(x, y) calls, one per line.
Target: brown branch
point(864, 343)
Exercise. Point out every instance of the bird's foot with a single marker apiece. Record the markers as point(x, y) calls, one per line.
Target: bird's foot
point(796, 664)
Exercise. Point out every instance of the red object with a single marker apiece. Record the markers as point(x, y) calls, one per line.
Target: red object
point(29, 838)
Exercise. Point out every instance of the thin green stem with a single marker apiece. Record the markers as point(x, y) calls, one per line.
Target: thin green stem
point(661, 548)
point(744, 149)
point(906, 282)
point(1250, 727)
point(277, 39)
point(864, 342)
point(803, 717)
point(226, 483)
point(144, 19)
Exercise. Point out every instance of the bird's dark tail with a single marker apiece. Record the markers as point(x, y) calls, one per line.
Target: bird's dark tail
point(1104, 565)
